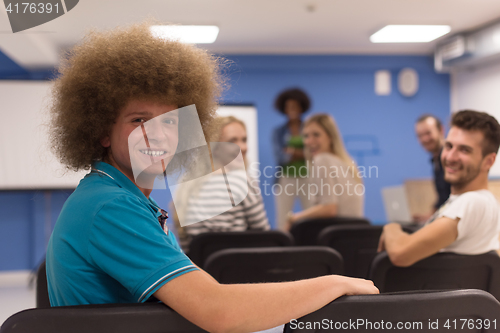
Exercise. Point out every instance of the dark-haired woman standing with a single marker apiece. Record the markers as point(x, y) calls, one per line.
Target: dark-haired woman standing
point(289, 152)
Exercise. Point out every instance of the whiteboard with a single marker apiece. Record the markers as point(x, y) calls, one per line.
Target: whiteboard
point(26, 161)
point(25, 158)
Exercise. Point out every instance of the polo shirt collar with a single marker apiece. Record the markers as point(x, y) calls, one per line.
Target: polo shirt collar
point(121, 180)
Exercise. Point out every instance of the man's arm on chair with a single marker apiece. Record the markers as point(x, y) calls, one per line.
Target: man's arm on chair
point(252, 307)
point(406, 249)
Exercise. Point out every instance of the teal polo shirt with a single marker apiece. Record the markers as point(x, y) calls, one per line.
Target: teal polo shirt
point(108, 246)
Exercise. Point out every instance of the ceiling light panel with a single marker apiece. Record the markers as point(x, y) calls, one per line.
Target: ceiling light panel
point(409, 33)
point(190, 34)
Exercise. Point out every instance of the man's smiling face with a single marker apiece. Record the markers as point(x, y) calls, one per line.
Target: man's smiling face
point(429, 134)
point(462, 156)
point(144, 135)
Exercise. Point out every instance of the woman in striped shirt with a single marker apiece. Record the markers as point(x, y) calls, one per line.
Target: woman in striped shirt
point(210, 198)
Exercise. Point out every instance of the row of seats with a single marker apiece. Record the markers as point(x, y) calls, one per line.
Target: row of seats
point(306, 232)
point(439, 311)
point(443, 271)
point(355, 239)
point(354, 253)
point(270, 257)
point(206, 244)
point(303, 233)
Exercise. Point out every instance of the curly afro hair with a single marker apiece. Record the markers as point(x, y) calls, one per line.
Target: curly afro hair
point(106, 70)
point(296, 94)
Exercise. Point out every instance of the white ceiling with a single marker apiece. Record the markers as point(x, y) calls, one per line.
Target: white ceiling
point(255, 26)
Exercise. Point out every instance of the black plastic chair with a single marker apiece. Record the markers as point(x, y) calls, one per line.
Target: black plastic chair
point(42, 291)
point(103, 318)
point(438, 272)
point(356, 243)
point(203, 245)
point(273, 264)
point(412, 311)
point(306, 232)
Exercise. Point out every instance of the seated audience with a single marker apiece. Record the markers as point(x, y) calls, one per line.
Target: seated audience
point(335, 186)
point(209, 197)
point(115, 106)
point(468, 222)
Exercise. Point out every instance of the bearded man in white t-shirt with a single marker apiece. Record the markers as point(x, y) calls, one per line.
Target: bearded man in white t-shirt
point(468, 222)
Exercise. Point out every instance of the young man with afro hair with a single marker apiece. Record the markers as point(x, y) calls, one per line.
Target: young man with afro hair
point(109, 244)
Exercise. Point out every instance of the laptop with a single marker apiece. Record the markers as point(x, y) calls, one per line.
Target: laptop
point(396, 205)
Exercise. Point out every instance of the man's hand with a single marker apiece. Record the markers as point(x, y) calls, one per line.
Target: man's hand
point(289, 150)
point(290, 220)
point(388, 228)
point(393, 227)
point(355, 286)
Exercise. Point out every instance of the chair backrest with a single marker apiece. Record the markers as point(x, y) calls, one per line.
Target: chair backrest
point(103, 318)
point(306, 232)
point(203, 245)
point(438, 272)
point(42, 291)
point(356, 243)
point(273, 264)
point(405, 312)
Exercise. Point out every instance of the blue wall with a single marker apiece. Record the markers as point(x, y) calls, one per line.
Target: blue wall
point(340, 85)
point(26, 221)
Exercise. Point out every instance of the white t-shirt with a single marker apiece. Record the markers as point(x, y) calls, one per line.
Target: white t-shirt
point(479, 224)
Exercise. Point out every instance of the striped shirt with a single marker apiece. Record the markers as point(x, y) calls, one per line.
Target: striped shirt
point(249, 214)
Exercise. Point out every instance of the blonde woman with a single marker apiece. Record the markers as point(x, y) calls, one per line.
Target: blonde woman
point(335, 188)
point(205, 200)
